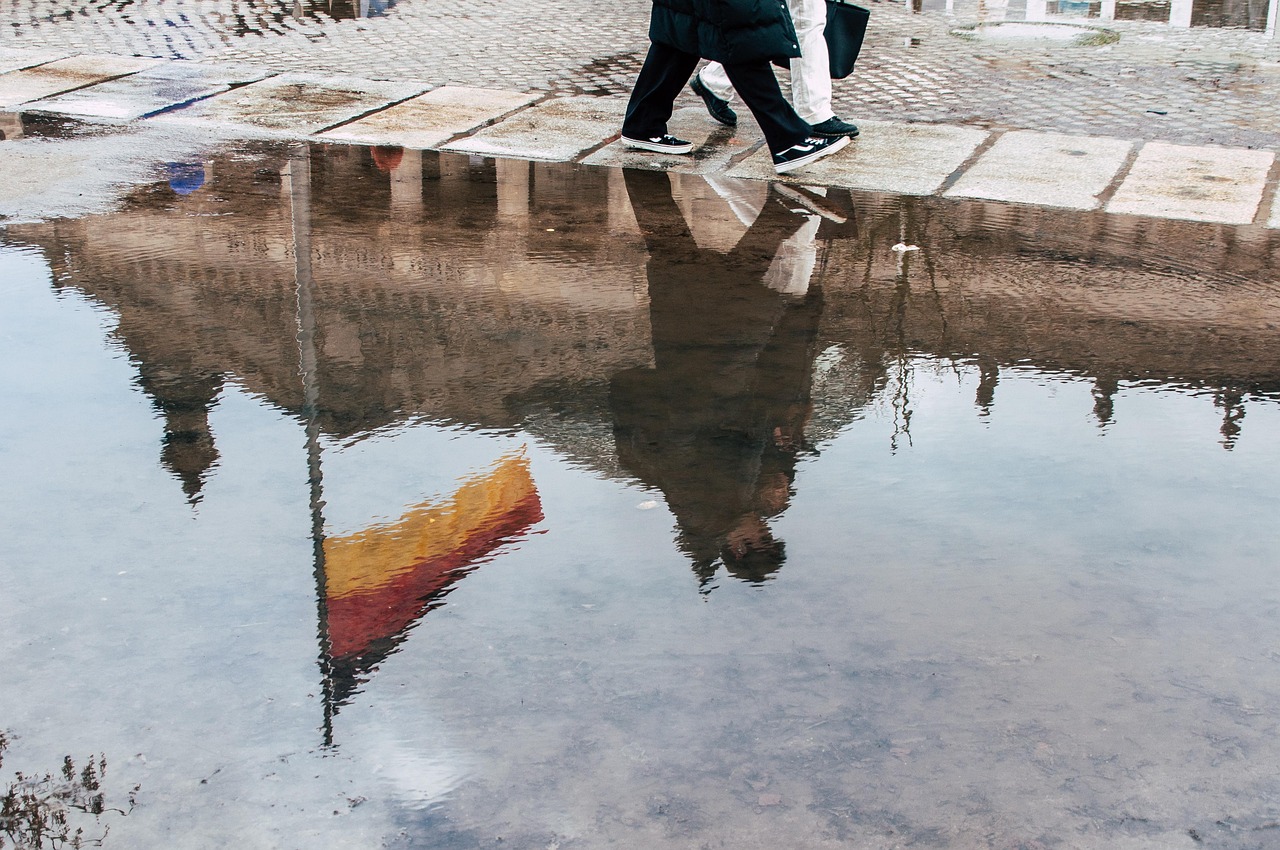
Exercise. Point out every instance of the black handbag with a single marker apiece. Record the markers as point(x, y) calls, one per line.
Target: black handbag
point(846, 27)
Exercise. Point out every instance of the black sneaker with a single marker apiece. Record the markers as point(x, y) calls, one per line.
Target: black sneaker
point(833, 126)
point(717, 106)
point(660, 144)
point(812, 148)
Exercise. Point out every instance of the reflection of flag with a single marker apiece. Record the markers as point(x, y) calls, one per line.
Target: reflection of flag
point(380, 580)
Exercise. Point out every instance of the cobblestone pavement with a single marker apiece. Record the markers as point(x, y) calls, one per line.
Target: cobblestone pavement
point(1193, 86)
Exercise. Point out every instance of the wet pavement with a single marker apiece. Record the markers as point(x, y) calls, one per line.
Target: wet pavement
point(362, 496)
point(949, 101)
point(1196, 85)
point(1157, 179)
point(388, 459)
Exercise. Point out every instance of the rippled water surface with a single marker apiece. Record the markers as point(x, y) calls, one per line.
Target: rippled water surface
point(361, 498)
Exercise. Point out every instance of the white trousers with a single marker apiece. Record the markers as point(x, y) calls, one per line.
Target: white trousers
point(810, 74)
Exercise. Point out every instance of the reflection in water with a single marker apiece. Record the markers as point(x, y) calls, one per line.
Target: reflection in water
point(62, 809)
point(11, 126)
point(486, 362)
point(436, 286)
point(379, 581)
point(718, 421)
point(186, 177)
point(347, 9)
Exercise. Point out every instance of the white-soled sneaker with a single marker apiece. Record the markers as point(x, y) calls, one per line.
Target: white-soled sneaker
point(660, 144)
point(810, 149)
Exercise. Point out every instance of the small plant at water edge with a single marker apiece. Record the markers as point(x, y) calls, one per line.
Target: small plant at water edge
point(52, 811)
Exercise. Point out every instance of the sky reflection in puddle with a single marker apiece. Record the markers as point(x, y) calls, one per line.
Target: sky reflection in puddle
point(749, 530)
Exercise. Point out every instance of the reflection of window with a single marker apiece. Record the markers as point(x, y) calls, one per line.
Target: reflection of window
point(1143, 10)
point(348, 9)
point(1074, 8)
point(1240, 14)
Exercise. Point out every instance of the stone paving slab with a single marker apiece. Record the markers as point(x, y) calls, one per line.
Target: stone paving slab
point(558, 130)
point(15, 60)
point(63, 75)
point(907, 159)
point(296, 104)
point(1185, 85)
point(1044, 169)
point(150, 91)
point(432, 118)
point(714, 145)
point(1220, 185)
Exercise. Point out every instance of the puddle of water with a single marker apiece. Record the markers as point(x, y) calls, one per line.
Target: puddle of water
point(21, 125)
point(371, 497)
point(1019, 31)
point(1220, 14)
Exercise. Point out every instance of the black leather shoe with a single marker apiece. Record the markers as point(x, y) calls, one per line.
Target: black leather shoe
point(833, 127)
point(717, 106)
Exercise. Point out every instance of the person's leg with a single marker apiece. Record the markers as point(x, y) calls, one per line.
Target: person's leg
point(756, 251)
point(713, 86)
point(713, 76)
point(811, 73)
point(791, 141)
point(760, 92)
point(661, 222)
point(664, 74)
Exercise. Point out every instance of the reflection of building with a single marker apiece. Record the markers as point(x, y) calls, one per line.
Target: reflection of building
point(11, 126)
point(503, 295)
point(359, 294)
point(440, 306)
point(359, 290)
point(1112, 298)
point(490, 293)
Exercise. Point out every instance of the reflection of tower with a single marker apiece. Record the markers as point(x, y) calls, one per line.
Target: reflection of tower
point(1104, 398)
point(988, 379)
point(188, 450)
point(1232, 404)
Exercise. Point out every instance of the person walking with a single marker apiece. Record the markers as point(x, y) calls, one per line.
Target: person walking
point(744, 36)
point(810, 77)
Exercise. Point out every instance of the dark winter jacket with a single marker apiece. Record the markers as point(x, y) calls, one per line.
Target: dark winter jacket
point(726, 31)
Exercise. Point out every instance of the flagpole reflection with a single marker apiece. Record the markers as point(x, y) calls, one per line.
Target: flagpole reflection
point(299, 176)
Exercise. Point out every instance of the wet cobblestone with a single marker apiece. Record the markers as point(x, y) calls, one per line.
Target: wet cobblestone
point(1193, 86)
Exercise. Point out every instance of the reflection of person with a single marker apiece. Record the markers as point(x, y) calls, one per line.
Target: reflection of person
point(717, 423)
point(810, 77)
point(744, 35)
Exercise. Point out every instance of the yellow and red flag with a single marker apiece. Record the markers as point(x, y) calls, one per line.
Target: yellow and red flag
point(379, 581)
